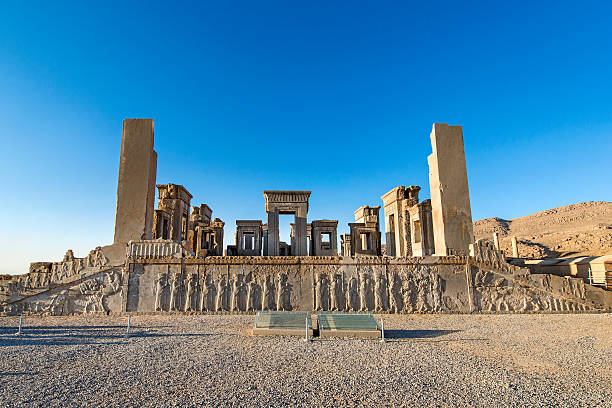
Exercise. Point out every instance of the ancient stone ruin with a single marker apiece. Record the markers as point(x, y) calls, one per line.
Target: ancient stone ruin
point(171, 259)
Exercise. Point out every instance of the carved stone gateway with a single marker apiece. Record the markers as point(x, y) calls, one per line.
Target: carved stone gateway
point(408, 223)
point(205, 236)
point(172, 214)
point(248, 237)
point(287, 202)
point(365, 232)
point(324, 238)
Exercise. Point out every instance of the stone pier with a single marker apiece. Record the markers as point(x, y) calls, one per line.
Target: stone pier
point(450, 196)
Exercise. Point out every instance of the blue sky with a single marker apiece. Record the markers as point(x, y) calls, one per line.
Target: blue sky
point(333, 97)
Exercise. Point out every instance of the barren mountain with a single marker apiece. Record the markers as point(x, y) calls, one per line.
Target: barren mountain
point(576, 229)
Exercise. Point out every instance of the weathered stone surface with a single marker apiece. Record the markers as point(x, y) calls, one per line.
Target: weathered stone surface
point(408, 223)
point(319, 245)
point(365, 232)
point(179, 283)
point(248, 237)
point(136, 184)
point(450, 196)
point(287, 202)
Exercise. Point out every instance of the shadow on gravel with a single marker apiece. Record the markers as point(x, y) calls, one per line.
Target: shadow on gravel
point(62, 329)
point(30, 338)
point(417, 334)
point(56, 329)
point(47, 330)
point(19, 373)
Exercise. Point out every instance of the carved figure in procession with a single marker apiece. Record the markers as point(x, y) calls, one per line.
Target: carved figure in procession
point(27, 281)
point(363, 292)
point(37, 280)
point(283, 293)
point(178, 289)
point(267, 294)
point(221, 294)
point(100, 259)
point(352, 295)
point(161, 283)
point(252, 292)
point(336, 293)
point(436, 291)
point(237, 292)
point(395, 293)
point(422, 291)
point(321, 292)
point(209, 289)
point(380, 292)
point(190, 293)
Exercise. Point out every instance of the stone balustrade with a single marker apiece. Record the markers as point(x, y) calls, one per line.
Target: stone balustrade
point(154, 249)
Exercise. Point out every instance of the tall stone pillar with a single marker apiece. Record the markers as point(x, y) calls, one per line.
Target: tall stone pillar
point(515, 252)
point(136, 185)
point(273, 233)
point(496, 241)
point(450, 196)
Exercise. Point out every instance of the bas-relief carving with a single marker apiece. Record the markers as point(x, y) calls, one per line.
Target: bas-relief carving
point(209, 291)
point(371, 290)
point(494, 293)
point(89, 296)
point(43, 277)
point(253, 296)
point(191, 293)
point(218, 293)
point(268, 295)
point(352, 295)
point(381, 302)
point(161, 288)
point(395, 288)
point(336, 293)
point(283, 293)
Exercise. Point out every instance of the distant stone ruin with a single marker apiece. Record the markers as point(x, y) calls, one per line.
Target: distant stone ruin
point(171, 259)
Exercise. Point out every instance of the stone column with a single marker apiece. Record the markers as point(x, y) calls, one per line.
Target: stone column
point(515, 252)
point(136, 184)
point(273, 233)
point(496, 240)
point(450, 196)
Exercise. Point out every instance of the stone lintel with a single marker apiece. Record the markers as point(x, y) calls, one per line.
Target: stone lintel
point(276, 198)
point(171, 190)
point(249, 223)
point(393, 195)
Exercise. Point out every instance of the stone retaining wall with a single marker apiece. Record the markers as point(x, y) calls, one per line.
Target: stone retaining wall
point(454, 284)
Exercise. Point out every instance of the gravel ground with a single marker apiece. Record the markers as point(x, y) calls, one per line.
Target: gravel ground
point(211, 360)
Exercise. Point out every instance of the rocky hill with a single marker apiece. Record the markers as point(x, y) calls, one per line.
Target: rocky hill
point(576, 229)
